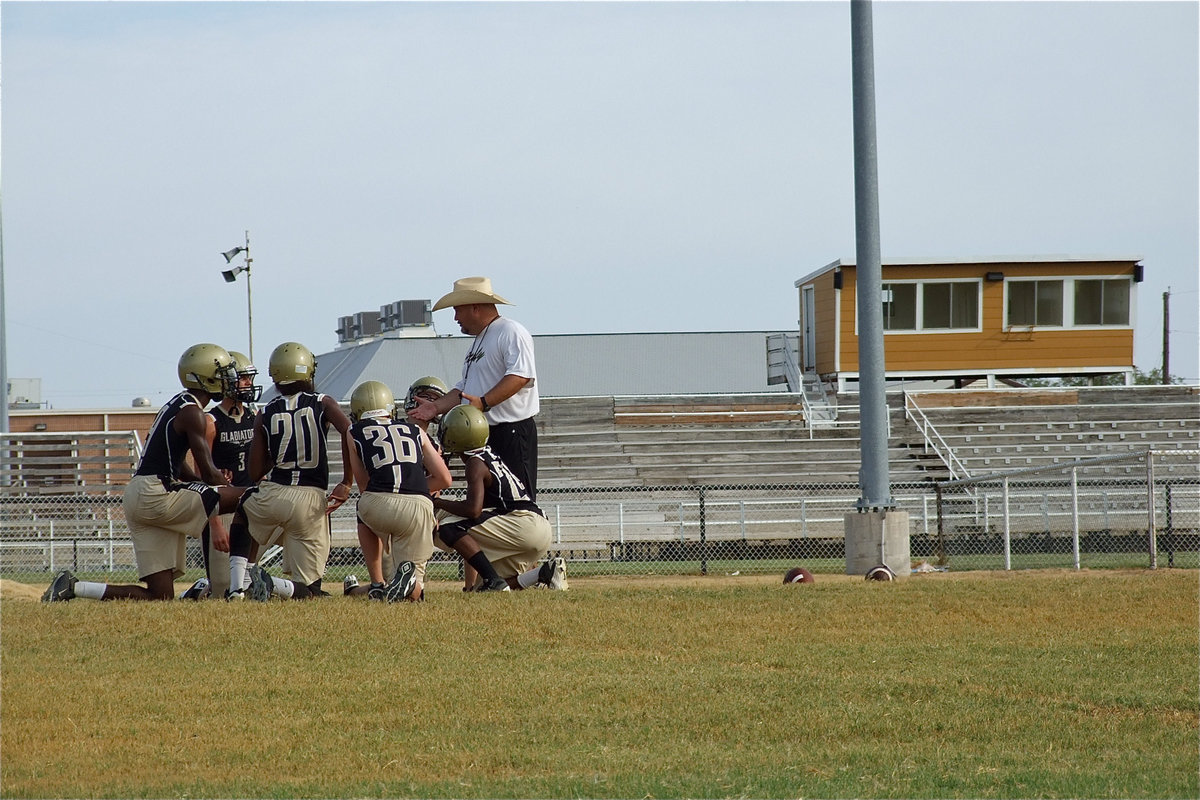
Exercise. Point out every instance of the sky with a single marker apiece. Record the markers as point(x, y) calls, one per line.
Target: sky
point(612, 166)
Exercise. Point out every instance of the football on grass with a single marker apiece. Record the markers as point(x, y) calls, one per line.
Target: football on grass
point(798, 575)
point(882, 572)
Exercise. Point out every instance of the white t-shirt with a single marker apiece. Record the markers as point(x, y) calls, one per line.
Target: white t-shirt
point(504, 347)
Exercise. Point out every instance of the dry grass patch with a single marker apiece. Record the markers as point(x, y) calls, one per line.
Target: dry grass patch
point(984, 685)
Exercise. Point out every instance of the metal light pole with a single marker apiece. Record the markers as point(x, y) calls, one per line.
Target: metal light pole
point(876, 491)
point(877, 533)
point(230, 276)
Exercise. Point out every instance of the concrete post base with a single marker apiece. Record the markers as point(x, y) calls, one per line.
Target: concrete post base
point(877, 537)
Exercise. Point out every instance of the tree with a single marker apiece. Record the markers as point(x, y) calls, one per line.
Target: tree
point(1151, 377)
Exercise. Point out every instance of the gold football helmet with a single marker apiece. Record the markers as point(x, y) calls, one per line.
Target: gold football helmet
point(429, 385)
point(372, 399)
point(207, 367)
point(464, 428)
point(292, 362)
point(246, 391)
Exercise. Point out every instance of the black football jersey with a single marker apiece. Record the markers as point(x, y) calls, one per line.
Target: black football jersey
point(507, 492)
point(392, 455)
point(165, 447)
point(295, 426)
point(231, 445)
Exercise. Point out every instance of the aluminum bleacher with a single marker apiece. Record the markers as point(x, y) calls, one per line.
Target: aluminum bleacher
point(1002, 429)
point(690, 440)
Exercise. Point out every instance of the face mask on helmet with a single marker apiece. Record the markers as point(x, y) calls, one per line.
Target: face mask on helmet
point(245, 390)
point(208, 368)
point(431, 388)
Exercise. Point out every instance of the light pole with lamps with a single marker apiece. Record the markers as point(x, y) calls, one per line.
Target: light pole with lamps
point(230, 276)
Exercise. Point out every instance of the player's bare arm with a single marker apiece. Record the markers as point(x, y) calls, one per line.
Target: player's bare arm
point(218, 532)
point(341, 423)
point(478, 479)
point(190, 421)
point(358, 470)
point(427, 410)
point(437, 474)
point(260, 459)
point(210, 434)
point(506, 388)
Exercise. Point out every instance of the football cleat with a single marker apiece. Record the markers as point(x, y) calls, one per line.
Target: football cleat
point(349, 584)
point(234, 597)
point(377, 591)
point(197, 590)
point(261, 585)
point(403, 584)
point(61, 589)
point(494, 585)
point(553, 574)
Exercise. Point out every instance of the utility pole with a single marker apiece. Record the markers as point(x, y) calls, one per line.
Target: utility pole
point(1166, 365)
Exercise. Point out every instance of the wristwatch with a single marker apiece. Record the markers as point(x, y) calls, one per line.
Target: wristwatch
point(483, 402)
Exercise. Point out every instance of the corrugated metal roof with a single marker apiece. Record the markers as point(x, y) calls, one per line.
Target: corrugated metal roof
point(571, 365)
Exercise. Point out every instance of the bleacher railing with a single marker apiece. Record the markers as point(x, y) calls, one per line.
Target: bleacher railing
point(933, 440)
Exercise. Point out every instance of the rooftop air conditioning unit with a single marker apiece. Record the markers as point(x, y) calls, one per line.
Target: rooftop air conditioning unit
point(366, 323)
point(357, 326)
point(405, 314)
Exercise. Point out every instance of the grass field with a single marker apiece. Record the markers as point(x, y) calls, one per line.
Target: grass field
point(983, 684)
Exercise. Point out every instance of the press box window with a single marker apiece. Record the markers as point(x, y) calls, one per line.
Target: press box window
point(931, 306)
point(1035, 303)
point(950, 305)
point(1102, 302)
point(899, 306)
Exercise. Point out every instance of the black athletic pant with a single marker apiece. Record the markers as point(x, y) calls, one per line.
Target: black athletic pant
point(516, 445)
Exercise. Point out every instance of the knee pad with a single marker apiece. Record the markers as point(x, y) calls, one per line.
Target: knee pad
point(450, 534)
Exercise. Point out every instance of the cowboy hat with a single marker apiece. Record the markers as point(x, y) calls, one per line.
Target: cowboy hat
point(468, 291)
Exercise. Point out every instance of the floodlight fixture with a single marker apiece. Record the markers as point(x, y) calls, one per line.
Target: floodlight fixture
point(230, 275)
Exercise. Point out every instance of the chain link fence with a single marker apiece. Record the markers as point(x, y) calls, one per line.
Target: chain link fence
point(1140, 510)
point(1125, 511)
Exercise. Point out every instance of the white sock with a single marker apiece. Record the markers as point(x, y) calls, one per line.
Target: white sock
point(238, 575)
point(246, 580)
point(90, 589)
point(528, 579)
point(283, 587)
